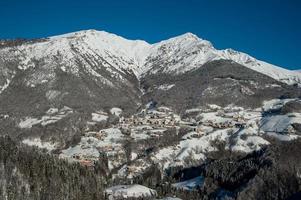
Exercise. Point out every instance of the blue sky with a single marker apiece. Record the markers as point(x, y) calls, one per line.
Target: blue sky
point(269, 30)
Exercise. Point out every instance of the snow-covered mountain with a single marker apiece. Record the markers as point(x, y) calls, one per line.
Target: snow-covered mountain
point(118, 55)
point(91, 71)
point(188, 52)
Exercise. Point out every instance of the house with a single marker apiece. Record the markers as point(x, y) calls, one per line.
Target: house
point(122, 120)
point(199, 130)
point(106, 148)
point(87, 163)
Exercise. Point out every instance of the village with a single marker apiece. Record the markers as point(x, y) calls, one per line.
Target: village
point(156, 121)
point(132, 144)
point(149, 123)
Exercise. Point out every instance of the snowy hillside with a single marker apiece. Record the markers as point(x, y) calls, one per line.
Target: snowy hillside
point(101, 50)
point(129, 191)
point(88, 48)
point(187, 52)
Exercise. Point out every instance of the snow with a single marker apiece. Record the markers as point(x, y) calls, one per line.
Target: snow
point(188, 52)
point(28, 122)
point(81, 150)
point(213, 106)
point(4, 116)
point(52, 111)
point(52, 94)
point(279, 123)
point(129, 191)
point(133, 169)
point(242, 130)
point(118, 56)
point(193, 110)
point(278, 73)
point(116, 111)
point(166, 86)
point(276, 123)
point(97, 117)
point(190, 184)
point(134, 155)
point(89, 146)
point(213, 117)
point(4, 86)
point(273, 86)
point(120, 53)
point(275, 104)
point(179, 53)
point(194, 148)
point(248, 145)
point(113, 134)
point(139, 135)
point(106, 141)
point(40, 144)
point(52, 115)
point(283, 137)
point(220, 124)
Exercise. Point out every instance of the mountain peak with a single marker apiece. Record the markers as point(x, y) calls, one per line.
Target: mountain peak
point(189, 35)
point(86, 33)
point(185, 40)
point(185, 37)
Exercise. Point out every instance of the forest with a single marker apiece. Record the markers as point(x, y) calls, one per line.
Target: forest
point(26, 173)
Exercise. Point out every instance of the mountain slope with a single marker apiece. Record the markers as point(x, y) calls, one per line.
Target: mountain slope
point(94, 71)
point(91, 48)
point(188, 52)
point(220, 82)
point(79, 63)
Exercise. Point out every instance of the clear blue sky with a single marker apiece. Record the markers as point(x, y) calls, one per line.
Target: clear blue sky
point(267, 29)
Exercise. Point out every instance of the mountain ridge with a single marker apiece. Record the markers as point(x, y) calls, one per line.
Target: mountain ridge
point(239, 57)
point(133, 55)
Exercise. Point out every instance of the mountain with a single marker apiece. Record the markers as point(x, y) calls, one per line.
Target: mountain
point(187, 52)
point(180, 54)
point(178, 111)
point(92, 59)
point(89, 71)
